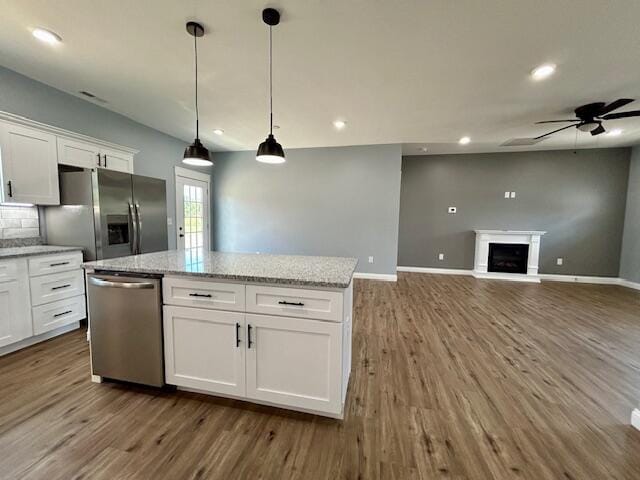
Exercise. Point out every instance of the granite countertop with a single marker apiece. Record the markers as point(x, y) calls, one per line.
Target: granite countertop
point(13, 252)
point(329, 272)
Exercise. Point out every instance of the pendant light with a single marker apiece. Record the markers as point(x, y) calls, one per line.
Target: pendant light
point(196, 153)
point(270, 151)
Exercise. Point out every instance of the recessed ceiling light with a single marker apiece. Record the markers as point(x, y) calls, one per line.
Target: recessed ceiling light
point(464, 140)
point(218, 131)
point(339, 124)
point(616, 132)
point(46, 36)
point(543, 71)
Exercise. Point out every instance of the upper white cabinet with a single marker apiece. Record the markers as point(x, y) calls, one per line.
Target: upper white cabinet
point(29, 165)
point(89, 155)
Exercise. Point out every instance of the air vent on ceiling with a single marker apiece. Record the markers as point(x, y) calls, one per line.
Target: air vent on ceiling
point(92, 96)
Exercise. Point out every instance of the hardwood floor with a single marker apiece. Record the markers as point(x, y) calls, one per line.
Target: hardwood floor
point(452, 377)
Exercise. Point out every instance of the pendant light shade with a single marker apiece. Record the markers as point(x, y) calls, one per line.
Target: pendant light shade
point(196, 153)
point(270, 151)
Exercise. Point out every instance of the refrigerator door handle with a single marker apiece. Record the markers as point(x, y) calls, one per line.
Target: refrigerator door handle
point(134, 224)
point(139, 217)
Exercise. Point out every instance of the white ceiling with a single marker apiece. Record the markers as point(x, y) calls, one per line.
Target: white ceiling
point(415, 72)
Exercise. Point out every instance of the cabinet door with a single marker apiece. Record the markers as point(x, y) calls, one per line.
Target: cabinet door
point(295, 362)
point(204, 349)
point(78, 154)
point(29, 166)
point(15, 315)
point(118, 161)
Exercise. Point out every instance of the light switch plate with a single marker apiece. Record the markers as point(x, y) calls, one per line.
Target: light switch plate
point(506, 194)
point(370, 259)
point(441, 256)
point(513, 194)
point(559, 261)
point(453, 209)
point(169, 221)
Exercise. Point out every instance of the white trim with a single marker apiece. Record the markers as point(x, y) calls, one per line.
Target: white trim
point(552, 277)
point(439, 271)
point(27, 342)
point(635, 418)
point(629, 284)
point(511, 277)
point(27, 122)
point(192, 174)
point(385, 277)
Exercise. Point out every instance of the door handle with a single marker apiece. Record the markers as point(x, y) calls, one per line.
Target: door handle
point(249, 342)
point(295, 304)
point(61, 286)
point(98, 282)
point(105, 160)
point(62, 313)
point(58, 264)
point(237, 335)
point(134, 226)
point(98, 159)
point(139, 219)
point(10, 188)
point(206, 295)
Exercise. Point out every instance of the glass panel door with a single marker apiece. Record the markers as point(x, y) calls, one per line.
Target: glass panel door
point(192, 218)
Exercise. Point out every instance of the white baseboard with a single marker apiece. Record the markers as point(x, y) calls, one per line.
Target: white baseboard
point(440, 271)
point(511, 277)
point(547, 277)
point(635, 418)
point(629, 284)
point(386, 277)
point(27, 342)
point(552, 277)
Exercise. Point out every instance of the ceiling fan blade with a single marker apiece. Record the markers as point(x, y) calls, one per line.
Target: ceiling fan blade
point(612, 116)
point(598, 131)
point(558, 121)
point(554, 131)
point(615, 105)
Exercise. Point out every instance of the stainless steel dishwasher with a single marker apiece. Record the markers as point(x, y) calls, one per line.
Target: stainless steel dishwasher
point(125, 315)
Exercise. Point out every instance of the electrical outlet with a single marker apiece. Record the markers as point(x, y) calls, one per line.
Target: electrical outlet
point(506, 194)
point(370, 259)
point(441, 256)
point(559, 261)
point(513, 194)
point(453, 210)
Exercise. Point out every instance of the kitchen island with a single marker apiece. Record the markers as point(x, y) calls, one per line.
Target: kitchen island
point(269, 329)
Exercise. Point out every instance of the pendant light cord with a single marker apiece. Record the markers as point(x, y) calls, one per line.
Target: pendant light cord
point(270, 82)
point(195, 48)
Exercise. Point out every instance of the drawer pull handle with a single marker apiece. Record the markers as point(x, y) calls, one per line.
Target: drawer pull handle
point(61, 286)
point(295, 304)
point(237, 335)
point(206, 295)
point(62, 313)
point(249, 342)
point(58, 264)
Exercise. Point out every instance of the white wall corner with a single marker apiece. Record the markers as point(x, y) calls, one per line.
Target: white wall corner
point(635, 418)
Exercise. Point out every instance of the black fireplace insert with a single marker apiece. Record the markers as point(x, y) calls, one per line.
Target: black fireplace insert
point(508, 257)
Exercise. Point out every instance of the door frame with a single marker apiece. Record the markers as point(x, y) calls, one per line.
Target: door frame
point(185, 173)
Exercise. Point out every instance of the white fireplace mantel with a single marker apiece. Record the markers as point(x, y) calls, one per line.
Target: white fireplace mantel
point(524, 237)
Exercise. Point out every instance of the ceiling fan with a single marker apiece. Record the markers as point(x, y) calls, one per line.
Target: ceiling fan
point(591, 116)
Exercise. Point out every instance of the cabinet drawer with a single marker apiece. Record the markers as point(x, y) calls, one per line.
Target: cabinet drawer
point(295, 302)
point(57, 314)
point(8, 270)
point(57, 286)
point(44, 265)
point(203, 294)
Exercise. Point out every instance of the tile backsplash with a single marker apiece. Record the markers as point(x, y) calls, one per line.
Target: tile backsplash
point(19, 222)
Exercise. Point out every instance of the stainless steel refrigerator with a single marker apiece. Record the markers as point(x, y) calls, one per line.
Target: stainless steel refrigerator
point(110, 214)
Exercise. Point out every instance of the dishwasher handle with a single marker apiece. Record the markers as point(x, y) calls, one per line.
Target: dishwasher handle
point(98, 282)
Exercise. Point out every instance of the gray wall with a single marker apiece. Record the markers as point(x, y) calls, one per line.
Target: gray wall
point(579, 198)
point(630, 259)
point(159, 153)
point(340, 201)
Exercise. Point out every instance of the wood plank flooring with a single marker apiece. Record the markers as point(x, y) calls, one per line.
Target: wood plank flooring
point(452, 378)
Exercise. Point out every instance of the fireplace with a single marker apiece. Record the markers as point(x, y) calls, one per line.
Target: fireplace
point(508, 257)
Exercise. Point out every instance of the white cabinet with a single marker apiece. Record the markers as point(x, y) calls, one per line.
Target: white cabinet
point(204, 349)
point(295, 362)
point(299, 357)
point(29, 165)
point(60, 262)
point(56, 286)
point(58, 314)
point(89, 155)
point(15, 314)
point(78, 154)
